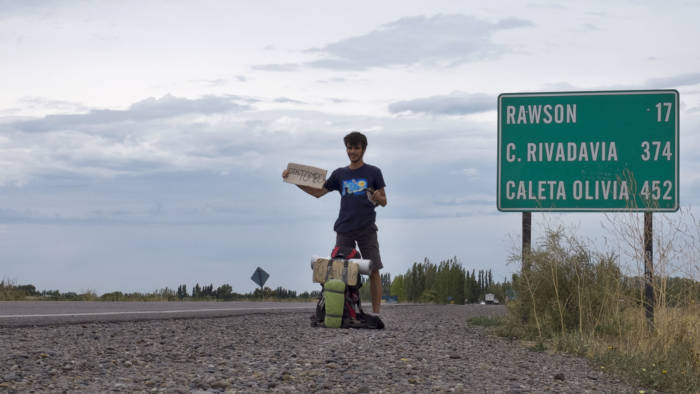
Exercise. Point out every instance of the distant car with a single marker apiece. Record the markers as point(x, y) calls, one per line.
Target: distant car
point(482, 303)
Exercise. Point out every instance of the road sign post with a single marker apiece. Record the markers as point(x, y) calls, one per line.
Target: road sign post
point(648, 267)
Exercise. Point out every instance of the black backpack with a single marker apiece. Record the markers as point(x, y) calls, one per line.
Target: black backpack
point(353, 315)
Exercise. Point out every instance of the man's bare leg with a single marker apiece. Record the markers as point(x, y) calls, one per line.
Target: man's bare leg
point(375, 287)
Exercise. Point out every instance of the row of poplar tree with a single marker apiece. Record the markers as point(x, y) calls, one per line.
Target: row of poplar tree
point(446, 282)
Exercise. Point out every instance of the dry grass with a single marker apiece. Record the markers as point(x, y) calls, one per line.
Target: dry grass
point(10, 292)
point(590, 303)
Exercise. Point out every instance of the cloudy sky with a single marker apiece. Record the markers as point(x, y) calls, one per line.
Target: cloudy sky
point(141, 143)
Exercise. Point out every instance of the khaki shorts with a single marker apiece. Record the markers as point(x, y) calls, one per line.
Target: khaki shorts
point(367, 242)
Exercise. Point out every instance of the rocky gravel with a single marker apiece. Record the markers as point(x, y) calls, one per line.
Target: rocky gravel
point(425, 348)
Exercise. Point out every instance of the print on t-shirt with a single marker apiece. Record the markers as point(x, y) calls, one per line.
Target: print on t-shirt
point(354, 186)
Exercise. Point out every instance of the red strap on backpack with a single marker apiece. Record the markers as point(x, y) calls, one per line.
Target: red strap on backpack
point(345, 252)
point(350, 310)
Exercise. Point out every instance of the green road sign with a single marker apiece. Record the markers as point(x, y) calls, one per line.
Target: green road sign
point(588, 151)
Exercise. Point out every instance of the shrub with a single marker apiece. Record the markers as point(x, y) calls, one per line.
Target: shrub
point(577, 298)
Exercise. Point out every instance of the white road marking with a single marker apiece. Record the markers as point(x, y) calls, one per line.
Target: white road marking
point(154, 312)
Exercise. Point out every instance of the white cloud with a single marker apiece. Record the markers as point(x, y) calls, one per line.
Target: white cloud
point(674, 81)
point(286, 124)
point(439, 40)
point(51, 106)
point(151, 108)
point(456, 103)
point(471, 172)
point(287, 100)
point(9, 8)
point(152, 135)
point(284, 67)
point(669, 82)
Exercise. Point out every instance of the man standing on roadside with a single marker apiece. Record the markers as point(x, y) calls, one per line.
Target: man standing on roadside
point(361, 188)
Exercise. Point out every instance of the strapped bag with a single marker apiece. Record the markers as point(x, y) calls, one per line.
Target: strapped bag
point(342, 269)
point(339, 304)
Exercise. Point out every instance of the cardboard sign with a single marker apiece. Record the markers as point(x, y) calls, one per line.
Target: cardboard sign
point(300, 174)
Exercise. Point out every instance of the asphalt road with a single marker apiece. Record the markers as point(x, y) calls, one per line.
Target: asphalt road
point(41, 313)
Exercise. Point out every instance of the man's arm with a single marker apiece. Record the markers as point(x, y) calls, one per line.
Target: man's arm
point(380, 197)
point(318, 193)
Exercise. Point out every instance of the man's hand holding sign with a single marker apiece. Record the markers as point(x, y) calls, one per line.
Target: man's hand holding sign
point(300, 174)
point(307, 178)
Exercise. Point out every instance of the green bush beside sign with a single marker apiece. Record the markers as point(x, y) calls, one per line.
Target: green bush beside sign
point(588, 151)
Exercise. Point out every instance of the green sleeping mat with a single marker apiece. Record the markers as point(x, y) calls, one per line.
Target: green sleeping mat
point(334, 293)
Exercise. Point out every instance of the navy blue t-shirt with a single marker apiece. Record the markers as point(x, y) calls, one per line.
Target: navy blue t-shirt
point(356, 211)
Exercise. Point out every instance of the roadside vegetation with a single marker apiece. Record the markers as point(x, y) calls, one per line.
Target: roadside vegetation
point(12, 292)
point(575, 298)
point(443, 283)
point(446, 283)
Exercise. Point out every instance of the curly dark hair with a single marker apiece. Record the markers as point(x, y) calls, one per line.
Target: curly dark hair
point(356, 138)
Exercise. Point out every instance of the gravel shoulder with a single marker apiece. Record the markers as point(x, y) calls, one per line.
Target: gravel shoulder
point(425, 348)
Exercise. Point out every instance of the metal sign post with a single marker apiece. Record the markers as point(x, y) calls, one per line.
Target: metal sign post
point(648, 266)
point(527, 236)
